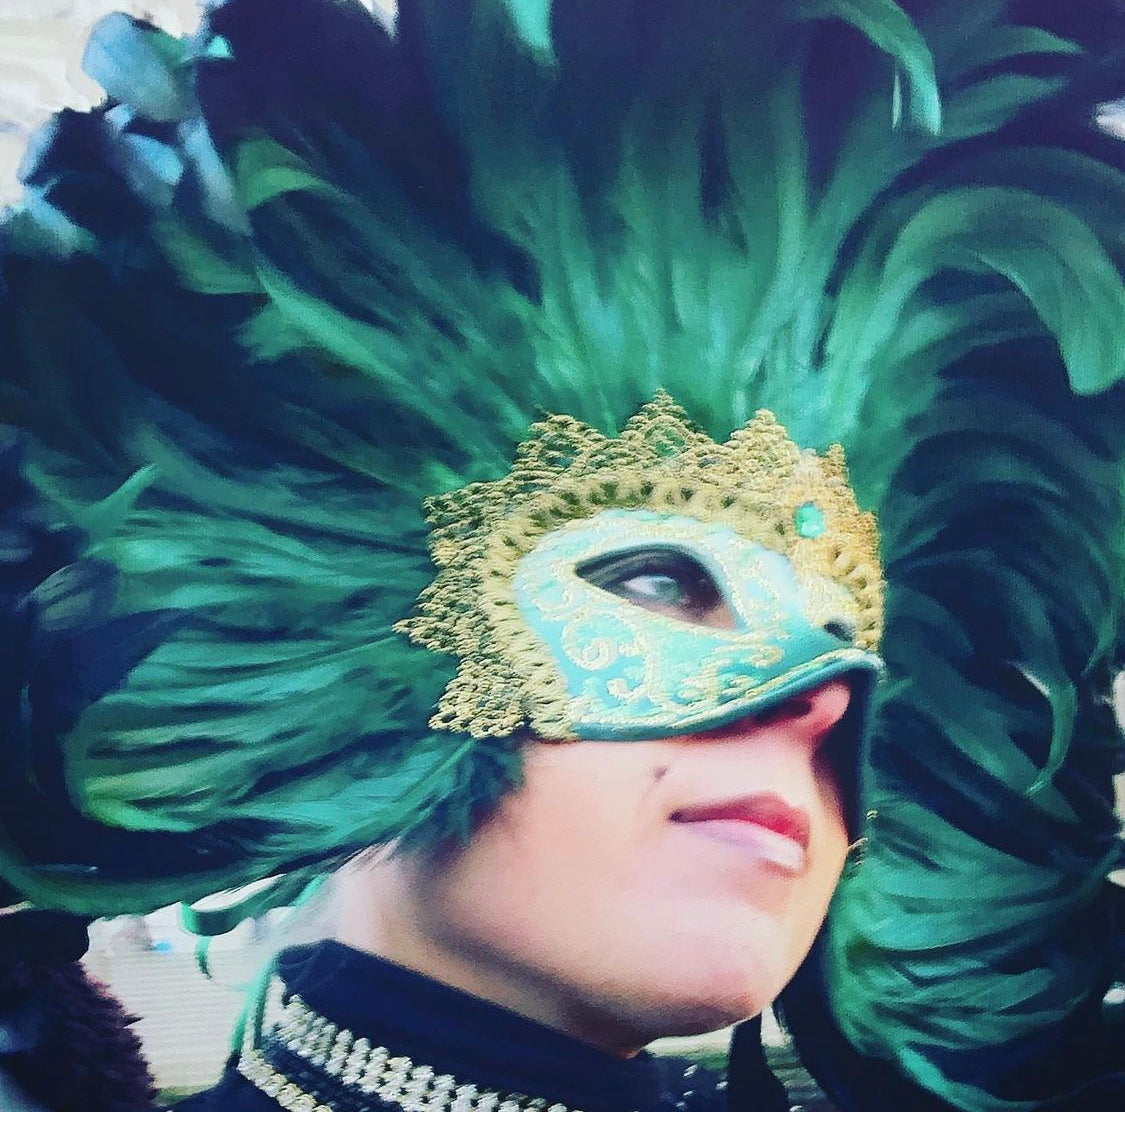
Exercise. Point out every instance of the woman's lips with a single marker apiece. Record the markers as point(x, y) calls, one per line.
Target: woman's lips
point(765, 825)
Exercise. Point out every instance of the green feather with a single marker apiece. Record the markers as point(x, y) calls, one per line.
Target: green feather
point(242, 347)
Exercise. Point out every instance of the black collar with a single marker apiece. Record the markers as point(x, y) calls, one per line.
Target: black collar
point(466, 1037)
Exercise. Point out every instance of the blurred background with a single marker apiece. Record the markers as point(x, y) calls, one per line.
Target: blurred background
point(185, 1016)
point(41, 43)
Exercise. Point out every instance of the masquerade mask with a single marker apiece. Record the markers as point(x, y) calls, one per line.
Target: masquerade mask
point(627, 602)
point(648, 585)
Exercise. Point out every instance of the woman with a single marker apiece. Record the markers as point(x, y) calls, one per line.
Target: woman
point(279, 317)
point(665, 878)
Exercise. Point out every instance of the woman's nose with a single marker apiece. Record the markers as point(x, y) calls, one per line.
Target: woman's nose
point(809, 715)
point(814, 712)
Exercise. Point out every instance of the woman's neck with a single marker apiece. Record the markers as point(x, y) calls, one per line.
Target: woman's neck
point(380, 914)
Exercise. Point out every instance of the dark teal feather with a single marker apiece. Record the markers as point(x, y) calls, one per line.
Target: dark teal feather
point(303, 273)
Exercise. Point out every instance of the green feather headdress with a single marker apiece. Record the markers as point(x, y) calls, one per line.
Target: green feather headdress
point(299, 274)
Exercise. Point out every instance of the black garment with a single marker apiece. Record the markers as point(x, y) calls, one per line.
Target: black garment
point(474, 1041)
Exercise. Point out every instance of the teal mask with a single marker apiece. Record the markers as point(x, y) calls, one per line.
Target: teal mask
point(758, 579)
point(637, 671)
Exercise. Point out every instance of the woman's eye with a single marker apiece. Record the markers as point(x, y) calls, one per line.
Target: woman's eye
point(663, 588)
point(663, 581)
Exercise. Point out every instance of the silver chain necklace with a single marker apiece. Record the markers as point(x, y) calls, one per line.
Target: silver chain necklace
point(334, 1060)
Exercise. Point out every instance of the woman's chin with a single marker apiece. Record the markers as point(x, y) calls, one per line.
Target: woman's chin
point(707, 1004)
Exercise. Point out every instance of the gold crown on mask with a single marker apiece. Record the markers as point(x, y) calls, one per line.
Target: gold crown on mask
point(759, 483)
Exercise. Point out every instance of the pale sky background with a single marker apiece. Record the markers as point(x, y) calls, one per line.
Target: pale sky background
point(41, 43)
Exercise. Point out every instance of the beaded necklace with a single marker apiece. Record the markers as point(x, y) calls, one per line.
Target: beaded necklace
point(306, 1063)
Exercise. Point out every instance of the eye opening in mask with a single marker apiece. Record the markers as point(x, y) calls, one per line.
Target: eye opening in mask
point(663, 580)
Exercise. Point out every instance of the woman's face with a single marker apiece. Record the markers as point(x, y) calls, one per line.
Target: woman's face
point(631, 890)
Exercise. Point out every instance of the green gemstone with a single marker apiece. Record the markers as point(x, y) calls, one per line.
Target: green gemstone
point(809, 520)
